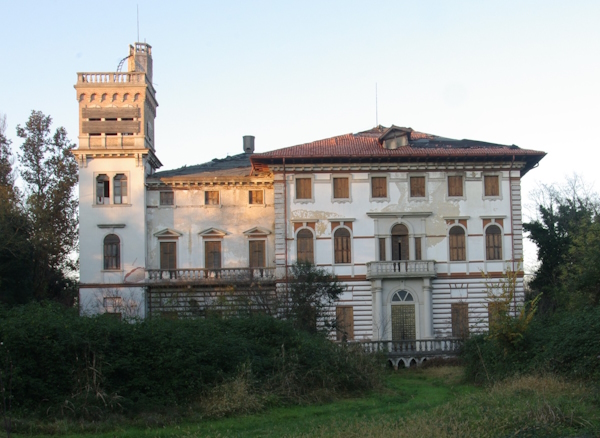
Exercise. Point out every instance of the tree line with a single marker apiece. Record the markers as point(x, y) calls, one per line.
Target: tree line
point(38, 215)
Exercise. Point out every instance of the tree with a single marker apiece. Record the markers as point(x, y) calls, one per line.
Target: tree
point(15, 249)
point(310, 302)
point(49, 171)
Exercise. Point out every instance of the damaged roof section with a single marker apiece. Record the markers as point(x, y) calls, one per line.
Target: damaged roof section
point(235, 165)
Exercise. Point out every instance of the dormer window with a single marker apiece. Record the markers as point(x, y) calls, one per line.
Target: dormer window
point(395, 137)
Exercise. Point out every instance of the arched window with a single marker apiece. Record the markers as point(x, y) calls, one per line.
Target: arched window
point(403, 316)
point(93, 97)
point(115, 97)
point(112, 252)
point(493, 243)
point(400, 242)
point(457, 244)
point(120, 189)
point(343, 253)
point(102, 189)
point(305, 246)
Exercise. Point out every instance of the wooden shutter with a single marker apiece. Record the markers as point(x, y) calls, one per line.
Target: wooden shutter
point(417, 186)
point(168, 255)
point(493, 243)
point(455, 186)
point(342, 246)
point(460, 320)
point(255, 197)
point(212, 254)
point(418, 248)
point(492, 187)
point(305, 251)
point(457, 244)
point(344, 323)
point(112, 252)
point(211, 197)
point(379, 187)
point(341, 188)
point(257, 253)
point(303, 188)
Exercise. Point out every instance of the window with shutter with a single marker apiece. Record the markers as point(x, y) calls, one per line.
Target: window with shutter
point(120, 189)
point(492, 187)
point(342, 246)
point(211, 197)
point(460, 320)
point(493, 243)
point(102, 189)
point(167, 198)
point(255, 197)
point(168, 255)
point(303, 188)
point(344, 323)
point(379, 187)
point(112, 252)
point(457, 244)
point(257, 253)
point(341, 189)
point(417, 186)
point(305, 242)
point(212, 254)
point(455, 185)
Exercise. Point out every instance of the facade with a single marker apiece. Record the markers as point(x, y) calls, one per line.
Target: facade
point(407, 221)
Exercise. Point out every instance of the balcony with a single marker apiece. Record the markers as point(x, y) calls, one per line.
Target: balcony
point(210, 276)
point(415, 351)
point(401, 269)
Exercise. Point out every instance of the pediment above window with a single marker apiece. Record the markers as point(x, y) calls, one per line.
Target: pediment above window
point(168, 233)
point(213, 232)
point(257, 231)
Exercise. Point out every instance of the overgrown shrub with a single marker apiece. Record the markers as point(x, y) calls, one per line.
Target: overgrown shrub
point(84, 365)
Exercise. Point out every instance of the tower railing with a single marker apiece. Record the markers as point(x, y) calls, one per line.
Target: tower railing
point(111, 77)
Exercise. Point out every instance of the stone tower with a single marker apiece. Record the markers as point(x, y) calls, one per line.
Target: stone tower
point(116, 153)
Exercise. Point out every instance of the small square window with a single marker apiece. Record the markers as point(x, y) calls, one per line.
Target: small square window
point(211, 197)
point(417, 186)
point(255, 197)
point(303, 188)
point(167, 198)
point(492, 186)
point(455, 185)
point(379, 187)
point(341, 189)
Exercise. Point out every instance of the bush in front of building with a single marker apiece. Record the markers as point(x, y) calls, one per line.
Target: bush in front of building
point(60, 363)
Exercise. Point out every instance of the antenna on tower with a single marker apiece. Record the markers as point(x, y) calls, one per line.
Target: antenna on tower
point(376, 107)
point(137, 7)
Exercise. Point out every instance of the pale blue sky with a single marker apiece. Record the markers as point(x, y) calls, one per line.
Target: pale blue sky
point(514, 72)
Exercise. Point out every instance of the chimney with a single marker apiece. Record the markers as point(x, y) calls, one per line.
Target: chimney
point(249, 144)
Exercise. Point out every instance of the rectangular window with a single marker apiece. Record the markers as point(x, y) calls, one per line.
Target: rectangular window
point(168, 255)
point(495, 311)
point(344, 323)
point(341, 189)
point(303, 188)
point(379, 187)
point(455, 185)
point(417, 186)
point(418, 248)
point(255, 197)
point(460, 320)
point(120, 190)
point(102, 189)
point(212, 254)
point(492, 188)
point(257, 253)
point(167, 198)
point(382, 249)
point(211, 197)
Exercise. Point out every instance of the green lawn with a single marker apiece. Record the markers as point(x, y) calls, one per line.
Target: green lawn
point(428, 403)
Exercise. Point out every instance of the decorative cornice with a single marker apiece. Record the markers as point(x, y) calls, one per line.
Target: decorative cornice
point(398, 214)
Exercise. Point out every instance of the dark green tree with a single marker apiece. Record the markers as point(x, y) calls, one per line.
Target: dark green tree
point(49, 171)
point(15, 249)
point(312, 293)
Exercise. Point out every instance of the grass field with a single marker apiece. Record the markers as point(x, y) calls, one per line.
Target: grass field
point(415, 403)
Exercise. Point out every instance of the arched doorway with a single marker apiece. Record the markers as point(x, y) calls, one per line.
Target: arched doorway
point(400, 242)
point(403, 316)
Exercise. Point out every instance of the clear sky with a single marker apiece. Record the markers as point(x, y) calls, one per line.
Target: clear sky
point(511, 72)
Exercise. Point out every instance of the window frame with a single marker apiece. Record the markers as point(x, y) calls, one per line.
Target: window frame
point(220, 252)
point(499, 248)
point(109, 188)
point(160, 252)
point(262, 197)
point(347, 251)
point(206, 198)
point(123, 183)
point(344, 318)
point(250, 258)
point(105, 189)
point(117, 265)
point(164, 193)
point(312, 189)
point(462, 185)
point(410, 188)
point(458, 248)
point(341, 177)
point(387, 191)
point(312, 241)
point(485, 178)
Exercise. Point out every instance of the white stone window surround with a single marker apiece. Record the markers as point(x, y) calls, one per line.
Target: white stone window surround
point(387, 185)
point(312, 189)
point(464, 188)
point(494, 222)
point(167, 205)
point(418, 198)
point(261, 205)
point(500, 177)
point(341, 176)
point(314, 237)
point(111, 181)
point(111, 229)
point(456, 223)
point(218, 205)
point(342, 222)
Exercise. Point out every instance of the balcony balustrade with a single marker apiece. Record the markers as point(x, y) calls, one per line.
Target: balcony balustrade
point(201, 275)
point(401, 269)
